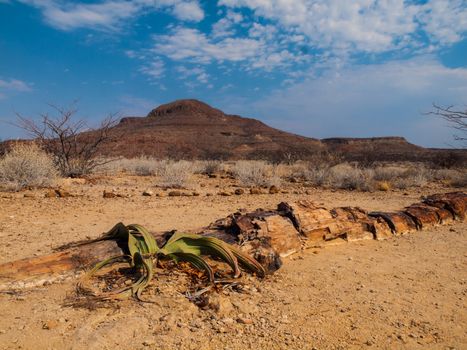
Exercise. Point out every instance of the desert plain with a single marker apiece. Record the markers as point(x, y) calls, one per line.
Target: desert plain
point(408, 292)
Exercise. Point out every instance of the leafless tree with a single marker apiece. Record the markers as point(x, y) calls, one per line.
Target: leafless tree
point(68, 139)
point(456, 118)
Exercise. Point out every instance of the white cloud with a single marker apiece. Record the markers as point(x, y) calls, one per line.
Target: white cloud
point(109, 14)
point(262, 50)
point(445, 21)
point(189, 11)
point(190, 44)
point(193, 76)
point(154, 69)
point(226, 25)
point(373, 100)
point(363, 25)
point(14, 85)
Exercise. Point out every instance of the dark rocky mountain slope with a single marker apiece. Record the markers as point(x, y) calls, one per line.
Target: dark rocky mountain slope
point(193, 129)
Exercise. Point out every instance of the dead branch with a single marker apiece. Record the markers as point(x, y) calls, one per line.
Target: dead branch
point(72, 143)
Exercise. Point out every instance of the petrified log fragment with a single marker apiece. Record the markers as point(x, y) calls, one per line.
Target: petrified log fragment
point(399, 222)
point(319, 224)
point(368, 228)
point(280, 233)
point(381, 229)
point(423, 215)
point(350, 213)
point(444, 215)
point(33, 271)
point(309, 219)
point(265, 235)
point(455, 202)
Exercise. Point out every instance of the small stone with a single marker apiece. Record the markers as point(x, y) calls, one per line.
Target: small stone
point(175, 194)
point(29, 195)
point(109, 194)
point(239, 191)
point(50, 194)
point(224, 193)
point(149, 342)
point(148, 193)
point(244, 320)
point(50, 324)
point(62, 193)
point(255, 190)
point(195, 194)
point(212, 176)
point(273, 189)
point(161, 194)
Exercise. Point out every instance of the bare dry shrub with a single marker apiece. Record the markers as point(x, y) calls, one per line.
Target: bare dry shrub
point(142, 166)
point(460, 180)
point(176, 174)
point(388, 173)
point(208, 167)
point(256, 173)
point(445, 174)
point(26, 165)
point(298, 170)
point(346, 176)
point(452, 177)
point(145, 166)
point(415, 176)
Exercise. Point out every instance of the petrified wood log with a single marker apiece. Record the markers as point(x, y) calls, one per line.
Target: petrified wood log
point(266, 235)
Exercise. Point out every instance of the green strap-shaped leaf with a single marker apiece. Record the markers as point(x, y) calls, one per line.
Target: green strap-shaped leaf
point(196, 244)
point(150, 242)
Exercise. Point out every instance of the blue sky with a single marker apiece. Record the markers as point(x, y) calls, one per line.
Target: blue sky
point(319, 68)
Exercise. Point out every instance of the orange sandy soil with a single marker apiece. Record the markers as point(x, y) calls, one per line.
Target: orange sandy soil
point(408, 292)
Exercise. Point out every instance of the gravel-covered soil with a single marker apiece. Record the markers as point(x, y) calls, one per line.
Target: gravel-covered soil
point(407, 292)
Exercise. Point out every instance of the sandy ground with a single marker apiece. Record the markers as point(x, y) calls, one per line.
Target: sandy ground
point(408, 292)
